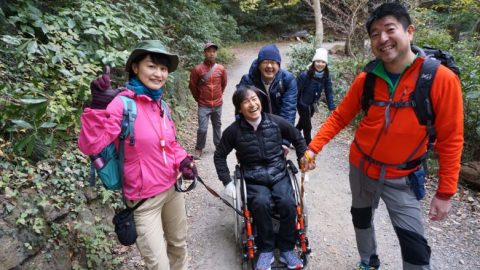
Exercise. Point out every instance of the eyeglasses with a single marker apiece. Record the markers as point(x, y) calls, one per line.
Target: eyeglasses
point(268, 62)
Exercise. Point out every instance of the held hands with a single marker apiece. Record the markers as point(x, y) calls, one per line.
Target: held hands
point(230, 190)
point(307, 162)
point(188, 168)
point(101, 89)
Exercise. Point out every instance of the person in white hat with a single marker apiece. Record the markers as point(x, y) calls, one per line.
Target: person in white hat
point(310, 85)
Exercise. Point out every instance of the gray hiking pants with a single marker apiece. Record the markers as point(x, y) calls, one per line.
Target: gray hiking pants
point(215, 113)
point(405, 215)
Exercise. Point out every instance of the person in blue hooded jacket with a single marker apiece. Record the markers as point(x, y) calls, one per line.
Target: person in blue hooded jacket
point(311, 83)
point(278, 86)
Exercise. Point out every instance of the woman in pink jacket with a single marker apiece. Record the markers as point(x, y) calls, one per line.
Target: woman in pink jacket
point(156, 158)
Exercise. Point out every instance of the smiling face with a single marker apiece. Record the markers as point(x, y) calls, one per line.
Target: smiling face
point(390, 43)
point(250, 107)
point(268, 69)
point(319, 65)
point(150, 74)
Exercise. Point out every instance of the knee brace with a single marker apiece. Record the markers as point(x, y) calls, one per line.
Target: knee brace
point(415, 249)
point(361, 217)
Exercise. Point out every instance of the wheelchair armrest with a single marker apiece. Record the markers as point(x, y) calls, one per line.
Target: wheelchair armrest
point(292, 166)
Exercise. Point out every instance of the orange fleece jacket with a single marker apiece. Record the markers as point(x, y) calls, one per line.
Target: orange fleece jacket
point(397, 142)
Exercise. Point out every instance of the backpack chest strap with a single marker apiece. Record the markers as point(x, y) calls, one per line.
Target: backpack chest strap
point(394, 104)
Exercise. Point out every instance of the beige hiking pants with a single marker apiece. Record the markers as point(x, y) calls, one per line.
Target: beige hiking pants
point(161, 224)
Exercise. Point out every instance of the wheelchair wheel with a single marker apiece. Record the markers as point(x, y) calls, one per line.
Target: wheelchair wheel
point(248, 265)
point(239, 223)
point(304, 257)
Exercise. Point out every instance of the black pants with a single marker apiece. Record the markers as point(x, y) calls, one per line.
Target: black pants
point(259, 199)
point(305, 124)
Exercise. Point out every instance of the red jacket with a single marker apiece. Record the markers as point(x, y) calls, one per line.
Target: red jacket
point(405, 133)
point(210, 92)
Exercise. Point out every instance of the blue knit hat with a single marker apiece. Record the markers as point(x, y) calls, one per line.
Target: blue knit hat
point(269, 52)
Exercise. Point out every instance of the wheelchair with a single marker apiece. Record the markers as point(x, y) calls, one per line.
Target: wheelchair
point(245, 233)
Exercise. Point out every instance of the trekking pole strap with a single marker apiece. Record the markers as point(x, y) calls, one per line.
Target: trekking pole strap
point(214, 193)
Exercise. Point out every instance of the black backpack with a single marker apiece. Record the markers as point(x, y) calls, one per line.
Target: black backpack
point(420, 99)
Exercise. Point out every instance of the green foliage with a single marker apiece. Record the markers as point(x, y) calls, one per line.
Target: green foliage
point(195, 23)
point(31, 192)
point(99, 247)
point(301, 56)
point(55, 55)
point(456, 16)
point(265, 19)
point(469, 62)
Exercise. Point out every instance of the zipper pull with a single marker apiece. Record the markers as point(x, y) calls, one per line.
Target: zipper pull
point(162, 144)
point(387, 115)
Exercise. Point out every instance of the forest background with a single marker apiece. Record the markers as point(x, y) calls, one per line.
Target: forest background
point(50, 51)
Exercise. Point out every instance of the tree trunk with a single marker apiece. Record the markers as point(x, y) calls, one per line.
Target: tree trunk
point(317, 9)
point(348, 46)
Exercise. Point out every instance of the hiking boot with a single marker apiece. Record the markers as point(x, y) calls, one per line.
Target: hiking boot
point(291, 259)
point(374, 264)
point(198, 154)
point(265, 260)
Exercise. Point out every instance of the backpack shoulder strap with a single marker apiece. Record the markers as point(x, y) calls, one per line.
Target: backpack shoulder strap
point(421, 95)
point(368, 86)
point(128, 120)
point(166, 109)
point(367, 96)
point(422, 104)
point(207, 75)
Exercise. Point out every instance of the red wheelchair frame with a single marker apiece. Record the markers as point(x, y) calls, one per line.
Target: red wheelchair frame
point(244, 227)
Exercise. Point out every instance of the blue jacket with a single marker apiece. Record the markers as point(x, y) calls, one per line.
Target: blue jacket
point(310, 90)
point(282, 100)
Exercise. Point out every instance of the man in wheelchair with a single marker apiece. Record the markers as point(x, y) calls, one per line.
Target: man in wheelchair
point(259, 140)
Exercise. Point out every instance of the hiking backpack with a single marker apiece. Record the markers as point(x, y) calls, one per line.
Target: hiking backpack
point(109, 163)
point(420, 98)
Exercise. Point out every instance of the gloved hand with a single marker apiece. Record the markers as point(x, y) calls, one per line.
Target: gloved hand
point(188, 168)
point(102, 92)
point(230, 190)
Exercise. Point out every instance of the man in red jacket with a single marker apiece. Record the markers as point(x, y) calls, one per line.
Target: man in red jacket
point(207, 83)
point(390, 143)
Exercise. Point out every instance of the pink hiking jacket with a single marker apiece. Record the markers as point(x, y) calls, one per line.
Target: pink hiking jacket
point(150, 169)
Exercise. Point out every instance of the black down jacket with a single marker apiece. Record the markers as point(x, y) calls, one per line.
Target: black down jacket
point(260, 152)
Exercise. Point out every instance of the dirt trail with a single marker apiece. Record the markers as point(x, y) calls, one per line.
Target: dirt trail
point(211, 224)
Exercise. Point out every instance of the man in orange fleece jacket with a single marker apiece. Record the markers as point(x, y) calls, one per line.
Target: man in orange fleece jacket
point(389, 136)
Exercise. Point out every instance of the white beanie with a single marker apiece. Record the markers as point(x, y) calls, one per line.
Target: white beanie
point(321, 54)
